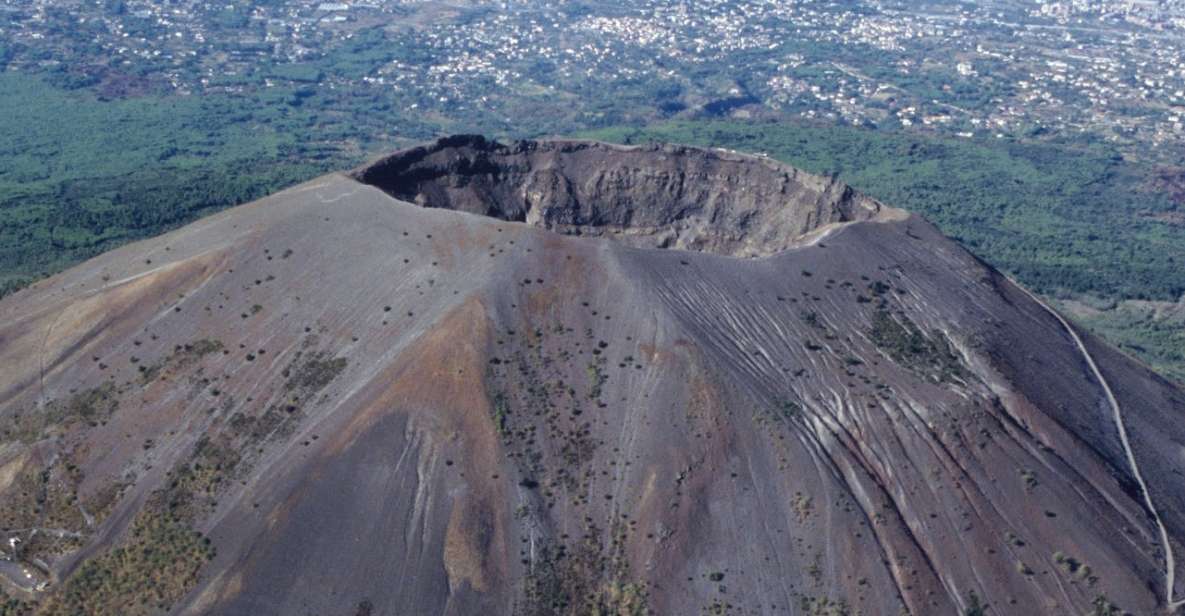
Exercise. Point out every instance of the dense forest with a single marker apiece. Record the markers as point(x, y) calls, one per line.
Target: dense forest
point(79, 175)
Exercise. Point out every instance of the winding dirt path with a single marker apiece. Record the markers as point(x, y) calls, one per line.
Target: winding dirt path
point(1170, 563)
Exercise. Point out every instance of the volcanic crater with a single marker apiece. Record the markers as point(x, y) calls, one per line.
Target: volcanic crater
point(650, 196)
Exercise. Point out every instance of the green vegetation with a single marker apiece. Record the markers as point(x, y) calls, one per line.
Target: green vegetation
point(11, 606)
point(79, 176)
point(974, 606)
point(823, 606)
point(803, 505)
point(930, 356)
point(1152, 331)
point(572, 580)
point(314, 373)
point(92, 406)
point(1073, 567)
point(193, 487)
point(596, 378)
point(182, 357)
point(788, 409)
point(500, 412)
point(157, 564)
point(159, 557)
point(1029, 478)
point(623, 599)
point(1104, 607)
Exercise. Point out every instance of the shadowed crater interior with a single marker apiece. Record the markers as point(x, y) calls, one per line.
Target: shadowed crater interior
point(654, 196)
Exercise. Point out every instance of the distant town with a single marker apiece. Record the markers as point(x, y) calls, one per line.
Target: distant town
point(1102, 70)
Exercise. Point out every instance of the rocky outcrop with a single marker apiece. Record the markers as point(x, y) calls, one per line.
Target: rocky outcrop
point(651, 196)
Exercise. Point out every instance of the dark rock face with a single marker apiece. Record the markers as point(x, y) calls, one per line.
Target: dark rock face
point(334, 401)
point(655, 196)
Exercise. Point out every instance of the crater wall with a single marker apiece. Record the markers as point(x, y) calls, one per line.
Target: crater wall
point(653, 196)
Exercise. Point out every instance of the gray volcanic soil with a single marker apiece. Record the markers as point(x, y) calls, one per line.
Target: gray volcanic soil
point(370, 407)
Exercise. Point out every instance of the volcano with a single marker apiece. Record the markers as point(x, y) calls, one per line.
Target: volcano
point(566, 377)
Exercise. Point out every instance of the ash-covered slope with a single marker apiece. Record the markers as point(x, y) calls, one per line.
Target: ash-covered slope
point(362, 406)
